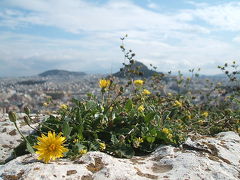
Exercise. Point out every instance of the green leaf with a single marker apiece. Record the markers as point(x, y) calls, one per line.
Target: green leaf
point(125, 151)
point(150, 116)
point(66, 129)
point(114, 139)
point(30, 149)
point(91, 105)
point(128, 105)
point(150, 139)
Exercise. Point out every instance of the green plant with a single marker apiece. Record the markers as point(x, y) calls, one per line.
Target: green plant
point(135, 118)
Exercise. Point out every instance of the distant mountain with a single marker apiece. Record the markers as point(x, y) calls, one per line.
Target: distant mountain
point(63, 73)
point(135, 67)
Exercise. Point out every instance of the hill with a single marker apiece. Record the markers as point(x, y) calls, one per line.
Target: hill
point(136, 67)
point(64, 73)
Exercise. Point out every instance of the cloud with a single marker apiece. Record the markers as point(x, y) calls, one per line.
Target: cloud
point(224, 16)
point(76, 16)
point(170, 41)
point(236, 39)
point(152, 5)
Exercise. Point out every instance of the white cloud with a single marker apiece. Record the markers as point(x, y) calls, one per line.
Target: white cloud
point(236, 39)
point(76, 16)
point(152, 5)
point(169, 41)
point(225, 16)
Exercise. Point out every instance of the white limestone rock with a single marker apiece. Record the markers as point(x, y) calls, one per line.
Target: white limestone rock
point(201, 157)
point(9, 137)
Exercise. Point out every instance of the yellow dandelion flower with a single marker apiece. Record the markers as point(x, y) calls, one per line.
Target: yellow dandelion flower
point(64, 106)
point(166, 131)
point(102, 146)
point(168, 118)
point(201, 122)
point(83, 151)
point(141, 108)
point(137, 142)
point(170, 136)
point(104, 83)
point(138, 82)
point(146, 92)
point(178, 103)
point(205, 114)
point(140, 140)
point(50, 147)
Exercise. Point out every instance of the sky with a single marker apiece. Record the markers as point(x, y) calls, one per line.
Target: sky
point(84, 35)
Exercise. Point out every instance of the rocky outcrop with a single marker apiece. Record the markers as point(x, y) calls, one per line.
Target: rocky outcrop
point(10, 138)
point(201, 157)
point(136, 66)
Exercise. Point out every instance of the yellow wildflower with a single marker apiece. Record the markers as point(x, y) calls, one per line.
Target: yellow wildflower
point(137, 142)
point(146, 92)
point(104, 83)
point(166, 131)
point(50, 147)
point(138, 82)
point(75, 140)
point(141, 108)
point(64, 106)
point(111, 108)
point(178, 103)
point(205, 114)
point(169, 136)
point(102, 146)
point(200, 122)
point(83, 151)
point(169, 94)
point(140, 140)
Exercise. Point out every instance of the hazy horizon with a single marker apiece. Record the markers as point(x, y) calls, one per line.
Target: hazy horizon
point(81, 35)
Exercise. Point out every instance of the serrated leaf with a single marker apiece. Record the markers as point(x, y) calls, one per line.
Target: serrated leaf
point(66, 129)
point(128, 105)
point(150, 116)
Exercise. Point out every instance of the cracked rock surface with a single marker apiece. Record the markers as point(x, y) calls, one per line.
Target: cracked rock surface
point(201, 157)
point(9, 137)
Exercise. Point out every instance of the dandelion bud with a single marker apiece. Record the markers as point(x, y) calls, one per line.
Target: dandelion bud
point(26, 110)
point(12, 116)
point(26, 119)
point(121, 138)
